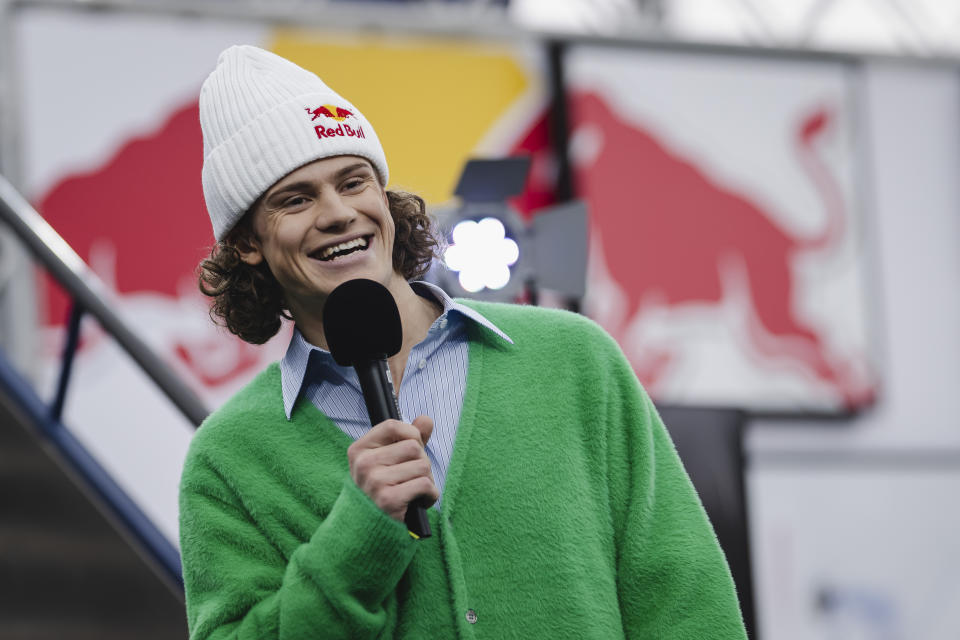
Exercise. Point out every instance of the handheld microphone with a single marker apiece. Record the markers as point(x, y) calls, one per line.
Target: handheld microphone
point(362, 326)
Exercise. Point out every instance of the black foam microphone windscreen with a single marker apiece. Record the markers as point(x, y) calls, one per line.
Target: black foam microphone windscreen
point(361, 322)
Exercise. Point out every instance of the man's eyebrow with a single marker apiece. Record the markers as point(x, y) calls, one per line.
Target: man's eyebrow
point(303, 185)
point(351, 168)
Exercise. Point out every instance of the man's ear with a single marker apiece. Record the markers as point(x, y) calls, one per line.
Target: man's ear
point(248, 246)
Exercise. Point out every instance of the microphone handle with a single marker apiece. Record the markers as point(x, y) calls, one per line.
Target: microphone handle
point(377, 388)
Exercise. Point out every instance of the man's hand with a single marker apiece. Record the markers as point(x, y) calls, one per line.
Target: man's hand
point(390, 465)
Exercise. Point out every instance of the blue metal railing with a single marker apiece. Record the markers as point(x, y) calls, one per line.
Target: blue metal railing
point(89, 296)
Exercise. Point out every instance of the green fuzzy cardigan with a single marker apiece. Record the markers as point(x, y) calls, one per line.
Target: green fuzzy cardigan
point(566, 512)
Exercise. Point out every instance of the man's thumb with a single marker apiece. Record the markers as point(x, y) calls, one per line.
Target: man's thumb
point(425, 425)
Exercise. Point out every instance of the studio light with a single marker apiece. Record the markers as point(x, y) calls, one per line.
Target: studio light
point(481, 254)
point(492, 254)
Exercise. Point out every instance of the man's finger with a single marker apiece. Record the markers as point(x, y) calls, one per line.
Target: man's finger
point(393, 453)
point(388, 432)
point(395, 474)
point(424, 425)
point(395, 500)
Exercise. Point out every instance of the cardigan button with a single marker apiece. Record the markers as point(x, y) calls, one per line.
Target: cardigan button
point(471, 616)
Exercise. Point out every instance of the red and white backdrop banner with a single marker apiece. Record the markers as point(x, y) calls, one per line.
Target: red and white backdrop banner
point(727, 255)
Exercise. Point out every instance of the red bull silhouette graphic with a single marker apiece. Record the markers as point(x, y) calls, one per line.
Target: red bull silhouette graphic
point(330, 111)
point(140, 221)
point(668, 228)
point(319, 111)
point(540, 189)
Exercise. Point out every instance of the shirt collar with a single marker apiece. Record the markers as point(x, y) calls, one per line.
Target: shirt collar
point(296, 361)
point(427, 290)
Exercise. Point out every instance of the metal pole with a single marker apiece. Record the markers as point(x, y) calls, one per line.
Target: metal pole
point(92, 295)
point(69, 350)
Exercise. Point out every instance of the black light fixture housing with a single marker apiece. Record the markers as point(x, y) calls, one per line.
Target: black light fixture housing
point(552, 248)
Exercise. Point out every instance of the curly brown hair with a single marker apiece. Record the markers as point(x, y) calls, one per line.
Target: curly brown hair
point(248, 300)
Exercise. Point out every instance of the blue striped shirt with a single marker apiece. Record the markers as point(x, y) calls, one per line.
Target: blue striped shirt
point(433, 381)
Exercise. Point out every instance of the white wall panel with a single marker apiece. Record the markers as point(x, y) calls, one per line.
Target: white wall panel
point(865, 509)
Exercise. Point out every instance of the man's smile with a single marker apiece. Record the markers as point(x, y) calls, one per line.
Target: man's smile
point(343, 248)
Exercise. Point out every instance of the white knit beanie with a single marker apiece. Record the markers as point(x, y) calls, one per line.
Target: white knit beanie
point(262, 117)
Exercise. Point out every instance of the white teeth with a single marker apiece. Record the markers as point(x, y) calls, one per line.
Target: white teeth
point(343, 246)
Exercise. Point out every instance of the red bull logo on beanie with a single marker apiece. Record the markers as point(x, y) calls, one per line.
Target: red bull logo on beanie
point(339, 114)
point(329, 111)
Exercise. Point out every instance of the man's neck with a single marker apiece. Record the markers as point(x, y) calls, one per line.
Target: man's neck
point(417, 313)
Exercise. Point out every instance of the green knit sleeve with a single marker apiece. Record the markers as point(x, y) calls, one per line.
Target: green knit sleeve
point(338, 584)
point(673, 579)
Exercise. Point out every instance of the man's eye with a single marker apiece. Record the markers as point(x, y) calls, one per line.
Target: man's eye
point(353, 184)
point(295, 201)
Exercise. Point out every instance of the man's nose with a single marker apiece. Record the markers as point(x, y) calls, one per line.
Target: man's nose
point(334, 213)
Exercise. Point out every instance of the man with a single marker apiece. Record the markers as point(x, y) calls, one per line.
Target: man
point(561, 508)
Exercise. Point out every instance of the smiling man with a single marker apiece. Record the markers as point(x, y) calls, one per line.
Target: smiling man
point(560, 508)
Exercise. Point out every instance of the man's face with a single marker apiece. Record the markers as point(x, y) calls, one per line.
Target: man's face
point(323, 224)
